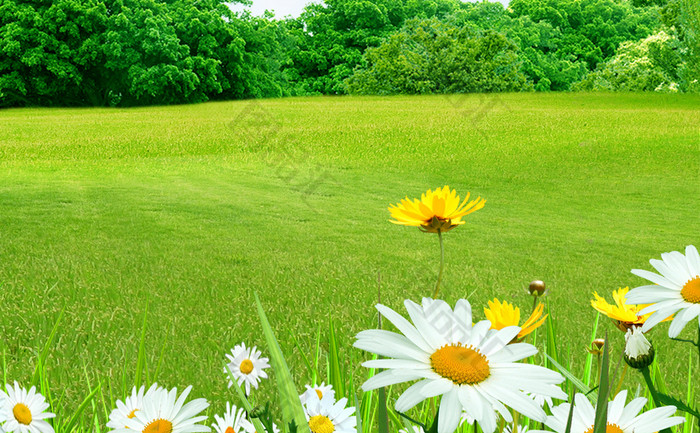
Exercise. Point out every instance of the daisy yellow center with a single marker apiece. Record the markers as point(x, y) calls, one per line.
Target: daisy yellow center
point(246, 366)
point(462, 365)
point(230, 430)
point(22, 414)
point(319, 394)
point(691, 291)
point(159, 426)
point(132, 414)
point(610, 428)
point(321, 424)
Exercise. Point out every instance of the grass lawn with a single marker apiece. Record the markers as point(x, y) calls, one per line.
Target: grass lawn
point(192, 209)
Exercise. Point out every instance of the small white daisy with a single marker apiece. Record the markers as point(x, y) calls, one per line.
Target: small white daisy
point(128, 408)
point(23, 412)
point(325, 415)
point(165, 412)
point(319, 390)
point(247, 366)
point(233, 421)
point(621, 418)
point(473, 368)
point(676, 290)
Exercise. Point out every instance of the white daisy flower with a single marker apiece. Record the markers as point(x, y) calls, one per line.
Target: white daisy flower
point(472, 368)
point(233, 421)
point(165, 412)
point(676, 290)
point(621, 418)
point(520, 429)
point(414, 429)
point(247, 366)
point(325, 415)
point(128, 408)
point(318, 390)
point(23, 412)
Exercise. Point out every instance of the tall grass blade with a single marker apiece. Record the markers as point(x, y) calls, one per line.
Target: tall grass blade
point(592, 395)
point(335, 373)
point(76, 416)
point(589, 358)
point(601, 410)
point(289, 399)
point(141, 360)
point(41, 362)
point(570, 417)
point(382, 415)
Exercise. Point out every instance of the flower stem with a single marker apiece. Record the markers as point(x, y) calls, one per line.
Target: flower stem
point(442, 264)
point(650, 385)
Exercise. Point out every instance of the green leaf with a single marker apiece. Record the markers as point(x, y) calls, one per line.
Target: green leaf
point(290, 404)
point(592, 395)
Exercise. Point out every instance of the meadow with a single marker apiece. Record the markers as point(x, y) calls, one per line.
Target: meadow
point(190, 210)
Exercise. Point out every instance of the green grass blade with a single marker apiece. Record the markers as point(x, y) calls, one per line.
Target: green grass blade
point(141, 360)
point(335, 373)
point(589, 358)
point(306, 360)
point(382, 415)
point(570, 418)
point(592, 395)
point(601, 410)
point(41, 362)
point(76, 416)
point(289, 398)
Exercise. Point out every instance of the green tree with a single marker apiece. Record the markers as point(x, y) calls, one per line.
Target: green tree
point(430, 56)
point(646, 65)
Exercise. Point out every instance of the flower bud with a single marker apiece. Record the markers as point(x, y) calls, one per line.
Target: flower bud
point(639, 352)
point(537, 288)
point(597, 346)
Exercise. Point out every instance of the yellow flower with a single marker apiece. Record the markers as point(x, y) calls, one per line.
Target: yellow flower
point(504, 314)
point(436, 210)
point(623, 314)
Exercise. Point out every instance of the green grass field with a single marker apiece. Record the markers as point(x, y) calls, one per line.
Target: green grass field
point(192, 209)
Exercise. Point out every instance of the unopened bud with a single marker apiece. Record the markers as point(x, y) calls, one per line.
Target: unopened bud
point(639, 352)
point(537, 288)
point(597, 346)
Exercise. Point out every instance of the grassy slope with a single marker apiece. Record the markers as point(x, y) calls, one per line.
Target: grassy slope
point(194, 208)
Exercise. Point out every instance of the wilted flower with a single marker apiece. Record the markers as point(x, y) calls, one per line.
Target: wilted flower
point(639, 352)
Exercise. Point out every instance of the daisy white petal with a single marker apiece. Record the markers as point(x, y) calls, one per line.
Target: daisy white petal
point(470, 367)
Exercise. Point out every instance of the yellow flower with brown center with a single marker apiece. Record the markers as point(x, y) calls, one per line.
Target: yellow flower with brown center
point(439, 210)
point(502, 314)
point(624, 315)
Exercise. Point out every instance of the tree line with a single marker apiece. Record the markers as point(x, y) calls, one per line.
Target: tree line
point(143, 52)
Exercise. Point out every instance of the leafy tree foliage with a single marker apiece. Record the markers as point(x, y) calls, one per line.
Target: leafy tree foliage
point(430, 56)
point(646, 65)
point(591, 29)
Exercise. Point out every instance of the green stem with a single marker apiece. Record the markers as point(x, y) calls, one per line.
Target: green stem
point(652, 389)
point(442, 264)
point(650, 385)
